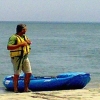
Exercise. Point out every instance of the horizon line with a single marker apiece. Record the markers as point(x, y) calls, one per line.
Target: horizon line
point(54, 21)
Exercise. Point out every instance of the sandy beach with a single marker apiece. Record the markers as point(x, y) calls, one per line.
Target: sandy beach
point(80, 94)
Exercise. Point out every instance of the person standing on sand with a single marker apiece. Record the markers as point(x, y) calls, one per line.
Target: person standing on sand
point(19, 46)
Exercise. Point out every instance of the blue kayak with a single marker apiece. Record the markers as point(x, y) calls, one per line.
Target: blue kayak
point(64, 81)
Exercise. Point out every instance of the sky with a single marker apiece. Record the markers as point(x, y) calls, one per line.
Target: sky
point(50, 10)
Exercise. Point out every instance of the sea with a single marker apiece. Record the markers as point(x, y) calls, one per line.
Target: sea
point(57, 47)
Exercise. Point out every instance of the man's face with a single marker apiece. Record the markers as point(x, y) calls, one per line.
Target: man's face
point(24, 30)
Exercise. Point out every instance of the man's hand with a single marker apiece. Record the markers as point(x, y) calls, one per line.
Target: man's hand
point(23, 44)
point(28, 42)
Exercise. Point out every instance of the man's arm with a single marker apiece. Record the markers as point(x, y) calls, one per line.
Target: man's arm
point(12, 45)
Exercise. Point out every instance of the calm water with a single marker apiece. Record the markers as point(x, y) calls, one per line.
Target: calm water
point(56, 48)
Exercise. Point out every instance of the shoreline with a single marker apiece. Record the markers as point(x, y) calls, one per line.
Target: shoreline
point(77, 94)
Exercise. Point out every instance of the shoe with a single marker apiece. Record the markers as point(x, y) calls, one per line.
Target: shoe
point(28, 90)
point(16, 91)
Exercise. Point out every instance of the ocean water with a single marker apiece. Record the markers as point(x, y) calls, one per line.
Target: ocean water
point(56, 48)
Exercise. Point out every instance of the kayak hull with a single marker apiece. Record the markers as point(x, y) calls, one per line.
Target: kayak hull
point(64, 81)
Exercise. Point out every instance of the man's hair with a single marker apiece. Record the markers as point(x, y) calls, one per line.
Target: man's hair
point(20, 27)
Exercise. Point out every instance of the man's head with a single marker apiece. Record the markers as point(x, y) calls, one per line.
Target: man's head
point(21, 28)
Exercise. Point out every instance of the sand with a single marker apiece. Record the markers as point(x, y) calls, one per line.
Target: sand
point(79, 94)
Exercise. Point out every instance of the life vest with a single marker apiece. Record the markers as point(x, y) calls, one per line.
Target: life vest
point(21, 51)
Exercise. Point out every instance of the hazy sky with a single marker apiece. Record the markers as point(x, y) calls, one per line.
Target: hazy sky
point(50, 10)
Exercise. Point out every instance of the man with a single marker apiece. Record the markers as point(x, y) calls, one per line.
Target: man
point(19, 46)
